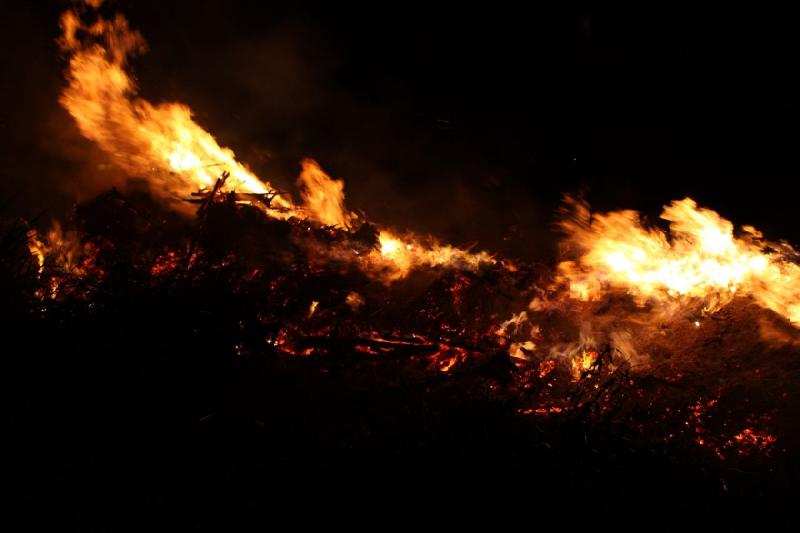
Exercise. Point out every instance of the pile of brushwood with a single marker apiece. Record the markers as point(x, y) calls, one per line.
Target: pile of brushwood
point(213, 370)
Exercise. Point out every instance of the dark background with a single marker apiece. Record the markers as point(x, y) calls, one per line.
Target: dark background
point(466, 121)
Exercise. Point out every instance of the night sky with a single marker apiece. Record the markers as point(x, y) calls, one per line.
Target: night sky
point(466, 121)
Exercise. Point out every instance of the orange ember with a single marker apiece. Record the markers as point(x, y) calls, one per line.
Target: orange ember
point(753, 440)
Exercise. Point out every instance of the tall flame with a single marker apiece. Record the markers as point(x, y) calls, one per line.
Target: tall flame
point(700, 258)
point(160, 141)
point(323, 196)
point(163, 143)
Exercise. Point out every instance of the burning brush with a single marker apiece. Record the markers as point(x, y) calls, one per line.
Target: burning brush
point(327, 293)
point(649, 330)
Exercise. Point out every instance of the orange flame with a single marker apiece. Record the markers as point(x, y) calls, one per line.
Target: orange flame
point(161, 141)
point(700, 259)
point(400, 255)
point(59, 253)
point(323, 196)
point(61, 248)
point(582, 364)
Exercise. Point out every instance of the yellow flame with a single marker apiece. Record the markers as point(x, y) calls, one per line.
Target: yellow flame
point(700, 258)
point(37, 249)
point(583, 363)
point(323, 196)
point(161, 141)
point(396, 256)
point(61, 249)
point(164, 144)
point(61, 253)
point(401, 255)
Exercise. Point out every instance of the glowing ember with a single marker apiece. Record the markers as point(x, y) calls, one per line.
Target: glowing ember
point(165, 264)
point(545, 367)
point(699, 259)
point(448, 357)
point(751, 440)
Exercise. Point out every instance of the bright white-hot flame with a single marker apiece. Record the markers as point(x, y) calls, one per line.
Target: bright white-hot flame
point(160, 141)
point(700, 258)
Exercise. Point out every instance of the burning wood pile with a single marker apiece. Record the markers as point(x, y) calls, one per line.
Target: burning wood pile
point(673, 372)
point(682, 340)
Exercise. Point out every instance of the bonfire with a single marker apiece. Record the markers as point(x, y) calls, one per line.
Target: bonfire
point(670, 335)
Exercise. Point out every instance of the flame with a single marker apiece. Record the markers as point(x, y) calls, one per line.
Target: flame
point(401, 255)
point(354, 301)
point(37, 249)
point(163, 143)
point(750, 439)
point(396, 256)
point(59, 254)
point(699, 259)
point(584, 363)
point(160, 141)
point(448, 357)
point(516, 326)
point(60, 248)
point(323, 197)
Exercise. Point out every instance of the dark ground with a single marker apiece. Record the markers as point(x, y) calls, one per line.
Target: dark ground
point(137, 417)
point(157, 405)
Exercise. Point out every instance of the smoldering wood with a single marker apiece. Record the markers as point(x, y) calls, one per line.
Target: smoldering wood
point(245, 282)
